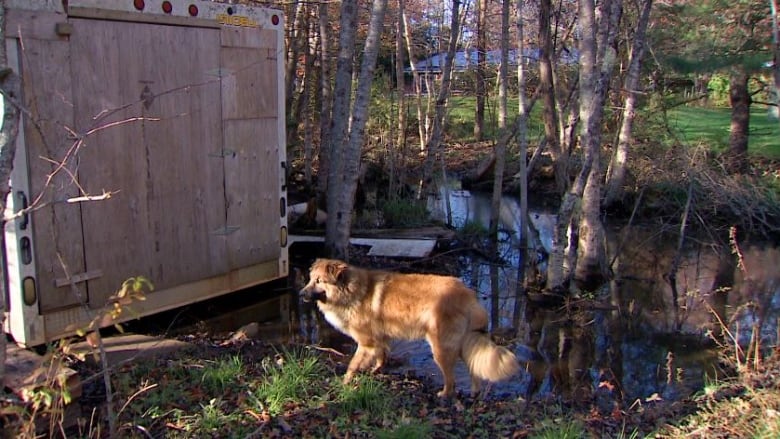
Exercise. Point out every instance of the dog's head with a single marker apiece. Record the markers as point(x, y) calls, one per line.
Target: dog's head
point(325, 277)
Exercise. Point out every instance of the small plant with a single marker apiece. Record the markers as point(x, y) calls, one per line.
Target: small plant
point(405, 213)
point(289, 380)
point(407, 429)
point(560, 429)
point(219, 375)
point(365, 394)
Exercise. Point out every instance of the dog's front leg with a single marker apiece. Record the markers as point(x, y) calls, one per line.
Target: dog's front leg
point(358, 362)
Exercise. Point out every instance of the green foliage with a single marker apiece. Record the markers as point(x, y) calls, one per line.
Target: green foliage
point(364, 394)
point(289, 378)
point(560, 428)
point(407, 429)
point(473, 229)
point(222, 374)
point(405, 213)
point(710, 126)
point(718, 87)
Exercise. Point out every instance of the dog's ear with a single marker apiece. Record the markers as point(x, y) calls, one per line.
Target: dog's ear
point(338, 270)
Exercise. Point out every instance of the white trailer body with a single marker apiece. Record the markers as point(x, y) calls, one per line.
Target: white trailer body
point(152, 144)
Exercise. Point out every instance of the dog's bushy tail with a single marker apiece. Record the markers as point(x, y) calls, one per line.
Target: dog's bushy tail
point(486, 360)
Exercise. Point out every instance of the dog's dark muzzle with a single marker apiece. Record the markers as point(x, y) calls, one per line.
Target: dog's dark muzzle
point(309, 295)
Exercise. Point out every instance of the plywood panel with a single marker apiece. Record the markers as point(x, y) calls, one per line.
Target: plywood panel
point(171, 185)
point(57, 226)
point(251, 208)
point(250, 37)
point(249, 83)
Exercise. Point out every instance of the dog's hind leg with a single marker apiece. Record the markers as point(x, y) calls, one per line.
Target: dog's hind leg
point(445, 357)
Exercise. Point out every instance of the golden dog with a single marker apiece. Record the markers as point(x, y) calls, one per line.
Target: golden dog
point(374, 307)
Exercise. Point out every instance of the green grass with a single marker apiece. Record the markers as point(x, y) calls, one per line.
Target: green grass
point(710, 126)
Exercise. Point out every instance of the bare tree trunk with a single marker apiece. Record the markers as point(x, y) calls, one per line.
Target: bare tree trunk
point(500, 146)
point(417, 83)
point(776, 55)
point(590, 270)
point(546, 86)
point(522, 140)
point(326, 101)
point(397, 156)
point(10, 87)
point(336, 237)
point(309, 89)
point(432, 147)
point(736, 156)
point(479, 78)
point(293, 49)
point(344, 177)
point(616, 173)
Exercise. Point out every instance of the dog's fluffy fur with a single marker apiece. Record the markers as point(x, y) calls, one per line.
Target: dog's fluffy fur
point(374, 307)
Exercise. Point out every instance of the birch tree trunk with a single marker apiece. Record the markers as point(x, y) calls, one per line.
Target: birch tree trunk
point(336, 236)
point(399, 152)
point(10, 87)
point(590, 270)
point(345, 157)
point(616, 173)
point(326, 101)
point(432, 147)
point(422, 124)
point(500, 146)
point(522, 141)
point(293, 50)
point(480, 90)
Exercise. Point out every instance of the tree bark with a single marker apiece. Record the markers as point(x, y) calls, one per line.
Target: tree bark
point(616, 173)
point(432, 147)
point(522, 141)
point(422, 124)
point(326, 101)
point(342, 186)
point(547, 88)
point(293, 50)
point(399, 152)
point(590, 269)
point(480, 90)
point(776, 55)
point(500, 146)
point(336, 237)
point(736, 156)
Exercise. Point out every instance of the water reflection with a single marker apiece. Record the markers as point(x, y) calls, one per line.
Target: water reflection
point(643, 341)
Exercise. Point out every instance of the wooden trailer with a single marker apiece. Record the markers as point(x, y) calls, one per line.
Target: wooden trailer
point(152, 144)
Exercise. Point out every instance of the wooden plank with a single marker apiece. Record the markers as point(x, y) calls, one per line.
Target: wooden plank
point(24, 24)
point(184, 184)
point(251, 38)
point(170, 192)
point(256, 212)
point(25, 372)
point(108, 14)
point(113, 160)
point(249, 84)
point(57, 226)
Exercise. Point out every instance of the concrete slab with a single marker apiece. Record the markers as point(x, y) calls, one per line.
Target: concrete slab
point(130, 347)
point(404, 248)
point(388, 247)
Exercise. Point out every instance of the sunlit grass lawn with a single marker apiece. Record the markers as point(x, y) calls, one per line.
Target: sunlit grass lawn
point(711, 127)
point(693, 125)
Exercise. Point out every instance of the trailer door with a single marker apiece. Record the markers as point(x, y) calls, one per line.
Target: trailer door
point(149, 95)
